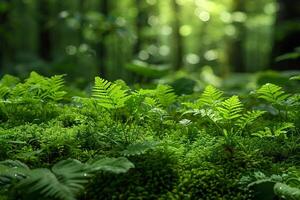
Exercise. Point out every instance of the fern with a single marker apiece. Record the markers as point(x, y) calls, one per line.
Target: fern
point(287, 192)
point(297, 77)
point(210, 114)
point(165, 94)
point(55, 85)
point(4, 91)
point(39, 88)
point(109, 95)
point(272, 93)
point(231, 108)
point(249, 118)
point(114, 165)
point(280, 130)
point(211, 96)
point(139, 148)
point(64, 181)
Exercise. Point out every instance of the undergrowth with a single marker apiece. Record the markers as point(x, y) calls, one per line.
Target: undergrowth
point(121, 143)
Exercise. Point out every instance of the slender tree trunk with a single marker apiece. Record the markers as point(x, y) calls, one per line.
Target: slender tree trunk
point(101, 49)
point(235, 51)
point(139, 25)
point(178, 40)
point(3, 21)
point(287, 38)
point(45, 33)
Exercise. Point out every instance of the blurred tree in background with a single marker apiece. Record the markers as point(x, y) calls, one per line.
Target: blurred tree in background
point(144, 39)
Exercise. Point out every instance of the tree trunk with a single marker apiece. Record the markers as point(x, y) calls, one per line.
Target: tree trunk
point(139, 25)
point(3, 32)
point(287, 34)
point(178, 46)
point(45, 34)
point(235, 50)
point(101, 49)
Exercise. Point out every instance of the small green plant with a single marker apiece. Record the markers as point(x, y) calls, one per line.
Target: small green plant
point(64, 181)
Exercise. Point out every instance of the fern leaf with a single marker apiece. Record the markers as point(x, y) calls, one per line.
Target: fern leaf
point(109, 95)
point(210, 96)
point(139, 148)
point(56, 83)
point(11, 170)
point(72, 173)
point(4, 91)
point(297, 77)
point(45, 183)
point(114, 165)
point(272, 93)
point(210, 114)
point(279, 130)
point(64, 181)
point(151, 102)
point(230, 108)
point(165, 94)
point(249, 118)
point(282, 129)
point(286, 192)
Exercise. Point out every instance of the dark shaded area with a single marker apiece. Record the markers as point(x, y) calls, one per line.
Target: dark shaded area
point(287, 34)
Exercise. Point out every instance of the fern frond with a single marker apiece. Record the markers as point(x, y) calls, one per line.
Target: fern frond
point(56, 83)
point(230, 108)
point(40, 88)
point(210, 96)
point(272, 93)
point(109, 95)
point(151, 102)
point(249, 118)
point(46, 184)
point(282, 128)
point(4, 91)
point(286, 192)
point(210, 114)
point(279, 130)
point(11, 170)
point(139, 148)
point(9, 80)
point(114, 165)
point(165, 94)
point(64, 181)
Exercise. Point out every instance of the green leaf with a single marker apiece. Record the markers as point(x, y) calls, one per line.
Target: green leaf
point(139, 148)
point(249, 118)
point(287, 192)
point(109, 95)
point(272, 93)
point(114, 165)
point(210, 96)
point(231, 108)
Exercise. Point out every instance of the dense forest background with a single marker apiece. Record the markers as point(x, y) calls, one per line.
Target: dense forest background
point(138, 40)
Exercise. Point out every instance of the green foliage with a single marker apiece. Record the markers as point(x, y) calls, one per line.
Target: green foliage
point(39, 87)
point(249, 118)
point(287, 192)
point(231, 108)
point(183, 146)
point(138, 148)
point(280, 130)
point(165, 95)
point(65, 180)
point(211, 96)
point(285, 186)
point(272, 93)
point(109, 95)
